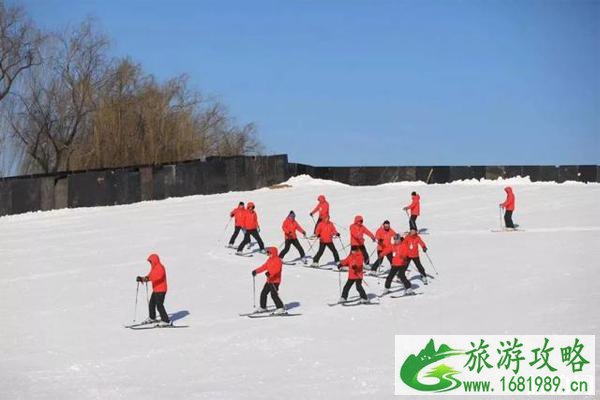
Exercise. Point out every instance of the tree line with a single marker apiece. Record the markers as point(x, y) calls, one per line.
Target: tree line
point(66, 104)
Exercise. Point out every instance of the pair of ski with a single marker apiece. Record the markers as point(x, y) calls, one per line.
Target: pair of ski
point(152, 325)
point(400, 294)
point(508, 230)
point(270, 312)
point(356, 301)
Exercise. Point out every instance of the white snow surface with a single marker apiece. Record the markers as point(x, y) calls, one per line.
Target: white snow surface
point(67, 287)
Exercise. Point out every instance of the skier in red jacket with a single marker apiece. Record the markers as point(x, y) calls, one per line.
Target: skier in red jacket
point(415, 210)
point(158, 277)
point(413, 241)
point(290, 226)
point(384, 237)
point(273, 272)
point(322, 208)
point(357, 241)
point(238, 215)
point(399, 264)
point(509, 207)
point(326, 232)
point(250, 224)
point(355, 264)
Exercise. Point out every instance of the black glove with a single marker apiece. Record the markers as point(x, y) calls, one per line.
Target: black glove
point(310, 214)
point(267, 274)
point(253, 272)
point(337, 235)
point(139, 279)
point(339, 266)
point(424, 249)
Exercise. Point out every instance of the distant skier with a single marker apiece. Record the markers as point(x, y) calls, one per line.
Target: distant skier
point(355, 264)
point(384, 237)
point(158, 277)
point(415, 210)
point(252, 228)
point(357, 241)
point(290, 226)
point(326, 232)
point(413, 241)
point(273, 272)
point(322, 208)
point(509, 207)
point(238, 215)
point(399, 264)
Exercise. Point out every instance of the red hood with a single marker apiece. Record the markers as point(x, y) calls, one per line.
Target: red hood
point(416, 196)
point(508, 189)
point(272, 251)
point(357, 219)
point(153, 259)
point(321, 198)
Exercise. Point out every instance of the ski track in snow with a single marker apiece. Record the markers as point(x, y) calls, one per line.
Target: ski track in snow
point(68, 287)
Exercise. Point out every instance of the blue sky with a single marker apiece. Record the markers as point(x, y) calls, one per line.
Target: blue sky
point(378, 82)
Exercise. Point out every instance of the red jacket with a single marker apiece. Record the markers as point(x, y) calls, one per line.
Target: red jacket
point(415, 206)
point(290, 226)
point(157, 275)
point(238, 214)
point(355, 264)
point(413, 242)
point(400, 251)
point(326, 231)
point(250, 220)
point(384, 238)
point(322, 207)
point(509, 203)
point(357, 231)
point(272, 266)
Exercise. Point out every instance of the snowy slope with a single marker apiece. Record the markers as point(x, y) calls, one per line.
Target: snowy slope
point(67, 287)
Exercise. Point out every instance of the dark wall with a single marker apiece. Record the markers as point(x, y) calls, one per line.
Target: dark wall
point(222, 174)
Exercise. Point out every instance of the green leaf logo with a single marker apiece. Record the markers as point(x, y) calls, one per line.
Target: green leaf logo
point(409, 372)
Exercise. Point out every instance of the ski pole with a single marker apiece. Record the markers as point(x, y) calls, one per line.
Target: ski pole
point(311, 244)
point(224, 230)
point(137, 289)
point(371, 254)
point(253, 291)
point(431, 262)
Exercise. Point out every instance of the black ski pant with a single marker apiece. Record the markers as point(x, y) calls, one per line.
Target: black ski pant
point(363, 250)
point(359, 287)
point(417, 262)
point(379, 260)
point(157, 303)
point(255, 235)
point(273, 289)
point(412, 222)
point(235, 235)
point(401, 272)
point(288, 243)
point(331, 247)
point(508, 222)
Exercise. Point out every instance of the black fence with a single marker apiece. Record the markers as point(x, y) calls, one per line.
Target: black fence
point(222, 174)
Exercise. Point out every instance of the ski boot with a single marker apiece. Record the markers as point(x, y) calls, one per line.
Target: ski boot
point(279, 311)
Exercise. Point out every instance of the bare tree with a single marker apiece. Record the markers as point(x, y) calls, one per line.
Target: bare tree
point(19, 46)
point(59, 98)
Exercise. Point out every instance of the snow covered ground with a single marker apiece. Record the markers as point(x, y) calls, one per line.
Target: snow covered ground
point(67, 286)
